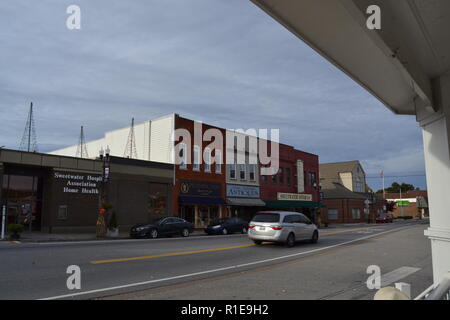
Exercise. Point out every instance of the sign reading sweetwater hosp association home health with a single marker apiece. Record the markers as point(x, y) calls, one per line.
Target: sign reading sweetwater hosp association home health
point(239, 191)
point(294, 196)
point(78, 183)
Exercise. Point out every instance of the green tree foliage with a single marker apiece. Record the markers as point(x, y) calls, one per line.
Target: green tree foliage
point(396, 187)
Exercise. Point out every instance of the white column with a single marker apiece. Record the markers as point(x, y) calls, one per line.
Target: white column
point(436, 135)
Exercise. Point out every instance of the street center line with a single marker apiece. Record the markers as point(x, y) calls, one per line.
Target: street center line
point(219, 269)
point(169, 254)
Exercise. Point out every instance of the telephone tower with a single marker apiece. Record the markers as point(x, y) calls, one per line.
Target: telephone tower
point(130, 148)
point(29, 141)
point(81, 148)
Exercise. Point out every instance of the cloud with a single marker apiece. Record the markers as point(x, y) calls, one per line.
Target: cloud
point(222, 62)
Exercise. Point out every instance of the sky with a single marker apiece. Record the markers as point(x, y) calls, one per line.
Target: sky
point(226, 63)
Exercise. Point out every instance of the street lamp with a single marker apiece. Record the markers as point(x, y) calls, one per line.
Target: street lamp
point(101, 225)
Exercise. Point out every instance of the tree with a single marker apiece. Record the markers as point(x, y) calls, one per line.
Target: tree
point(396, 187)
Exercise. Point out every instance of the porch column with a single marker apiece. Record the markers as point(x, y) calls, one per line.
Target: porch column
point(436, 133)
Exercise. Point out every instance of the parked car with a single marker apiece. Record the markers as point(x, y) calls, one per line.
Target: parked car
point(384, 218)
point(282, 226)
point(227, 225)
point(162, 227)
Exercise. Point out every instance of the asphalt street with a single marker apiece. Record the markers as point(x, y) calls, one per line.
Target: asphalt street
point(220, 267)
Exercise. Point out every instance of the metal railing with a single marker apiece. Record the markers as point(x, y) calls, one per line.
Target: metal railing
point(439, 292)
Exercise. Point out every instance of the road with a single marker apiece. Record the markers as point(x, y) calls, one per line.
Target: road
point(195, 267)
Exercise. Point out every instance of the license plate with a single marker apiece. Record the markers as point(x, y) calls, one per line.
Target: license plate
point(262, 228)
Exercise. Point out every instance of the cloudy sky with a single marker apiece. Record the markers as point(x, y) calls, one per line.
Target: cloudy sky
point(223, 62)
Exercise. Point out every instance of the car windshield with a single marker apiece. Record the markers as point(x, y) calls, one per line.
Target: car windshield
point(267, 217)
point(218, 221)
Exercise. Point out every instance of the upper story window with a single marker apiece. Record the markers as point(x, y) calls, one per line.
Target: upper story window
point(252, 172)
point(182, 155)
point(242, 171)
point(274, 178)
point(232, 170)
point(312, 179)
point(207, 160)
point(281, 176)
point(288, 176)
point(218, 161)
point(196, 164)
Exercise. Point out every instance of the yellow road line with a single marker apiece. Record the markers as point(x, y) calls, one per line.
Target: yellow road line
point(169, 254)
point(200, 251)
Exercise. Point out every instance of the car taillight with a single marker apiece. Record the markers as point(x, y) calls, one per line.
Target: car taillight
point(277, 227)
point(251, 226)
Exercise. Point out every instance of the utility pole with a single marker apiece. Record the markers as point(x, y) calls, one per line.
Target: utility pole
point(29, 141)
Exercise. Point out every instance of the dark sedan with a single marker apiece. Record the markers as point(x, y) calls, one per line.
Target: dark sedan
point(384, 218)
point(168, 226)
point(227, 225)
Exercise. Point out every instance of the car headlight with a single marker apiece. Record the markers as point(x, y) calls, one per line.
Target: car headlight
point(140, 229)
point(216, 227)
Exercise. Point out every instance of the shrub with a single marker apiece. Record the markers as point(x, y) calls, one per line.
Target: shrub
point(15, 228)
point(113, 221)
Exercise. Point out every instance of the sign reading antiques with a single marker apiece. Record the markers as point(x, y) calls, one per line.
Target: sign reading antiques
point(294, 196)
point(197, 188)
point(78, 183)
point(239, 191)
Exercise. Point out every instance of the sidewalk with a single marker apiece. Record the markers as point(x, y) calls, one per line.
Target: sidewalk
point(71, 237)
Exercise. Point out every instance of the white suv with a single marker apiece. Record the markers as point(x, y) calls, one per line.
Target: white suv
point(282, 226)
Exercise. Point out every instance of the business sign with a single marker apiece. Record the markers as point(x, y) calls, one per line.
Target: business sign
point(239, 191)
point(78, 183)
point(294, 196)
point(197, 188)
point(402, 203)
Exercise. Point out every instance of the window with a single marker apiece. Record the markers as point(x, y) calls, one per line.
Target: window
point(281, 176)
point(242, 171)
point(232, 170)
point(218, 161)
point(252, 172)
point(62, 212)
point(207, 160)
point(182, 155)
point(332, 214)
point(312, 179)
point(356, 213)
point(196, 165)
point(274, 179)
point(288, 176)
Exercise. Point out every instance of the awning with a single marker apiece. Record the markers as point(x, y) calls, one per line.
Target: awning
point(294, 204)
point(246, 202)
point(200, 200)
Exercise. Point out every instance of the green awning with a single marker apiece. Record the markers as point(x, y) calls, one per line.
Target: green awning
point(293, 204)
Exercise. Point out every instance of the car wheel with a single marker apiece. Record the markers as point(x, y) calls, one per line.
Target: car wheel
point(257, 242)
point(290, 241)
point(153, 233)
point(224, 231)
point(185, 232)
point(244, 230)
point(315, 237)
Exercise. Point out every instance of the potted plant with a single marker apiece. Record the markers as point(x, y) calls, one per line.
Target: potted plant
point(113, 229)
point(15, 230)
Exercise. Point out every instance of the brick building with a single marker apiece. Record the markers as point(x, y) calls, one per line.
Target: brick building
point(343, 194)
point(415, 203)
point(295, 186)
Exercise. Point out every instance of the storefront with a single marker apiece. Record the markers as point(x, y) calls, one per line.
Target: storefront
point(62, 194)
point(200, 202)
point(243, 201)
point(299, 202)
